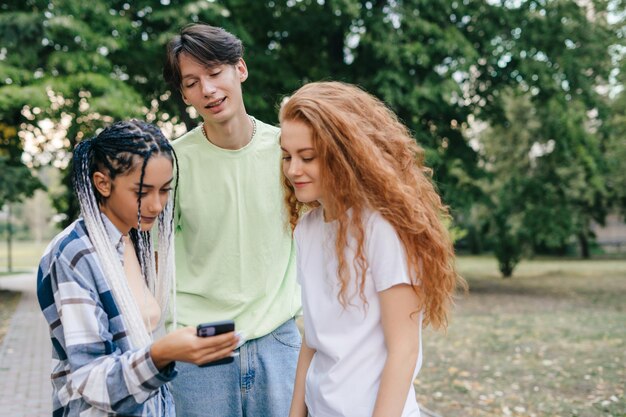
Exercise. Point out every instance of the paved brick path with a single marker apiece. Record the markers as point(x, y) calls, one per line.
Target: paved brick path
point(25, 389)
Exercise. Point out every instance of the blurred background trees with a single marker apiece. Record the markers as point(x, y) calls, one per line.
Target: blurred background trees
point(518, 103)
point(17, 182)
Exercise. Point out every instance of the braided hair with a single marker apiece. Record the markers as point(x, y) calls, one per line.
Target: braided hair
point(118, 149)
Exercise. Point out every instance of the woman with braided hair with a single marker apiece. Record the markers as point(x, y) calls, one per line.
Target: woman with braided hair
point(101, 290)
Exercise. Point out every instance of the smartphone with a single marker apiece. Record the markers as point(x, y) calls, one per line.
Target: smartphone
point(213, 329)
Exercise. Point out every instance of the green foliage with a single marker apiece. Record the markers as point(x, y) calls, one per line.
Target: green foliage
point(66, 60)
point(440, 65)
point(616, 153)
point(17, 181)
point(547, 178)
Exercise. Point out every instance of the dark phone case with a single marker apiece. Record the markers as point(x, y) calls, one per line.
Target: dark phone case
point(220, 362)
point(213, 329)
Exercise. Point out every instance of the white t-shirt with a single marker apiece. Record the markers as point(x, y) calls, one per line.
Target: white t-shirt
point(344, 374)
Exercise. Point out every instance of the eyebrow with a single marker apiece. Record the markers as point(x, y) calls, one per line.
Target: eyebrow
point(152, 186)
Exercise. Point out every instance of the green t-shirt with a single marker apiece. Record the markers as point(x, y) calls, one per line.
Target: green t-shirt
point(235, 258)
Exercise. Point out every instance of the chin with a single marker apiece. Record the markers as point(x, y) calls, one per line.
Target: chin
point(147, 226)
point(306, 199)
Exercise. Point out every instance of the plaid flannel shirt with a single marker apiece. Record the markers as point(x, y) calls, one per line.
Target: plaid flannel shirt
point(95, 372)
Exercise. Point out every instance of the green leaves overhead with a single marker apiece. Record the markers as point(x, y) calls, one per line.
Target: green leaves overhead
point(537, 73)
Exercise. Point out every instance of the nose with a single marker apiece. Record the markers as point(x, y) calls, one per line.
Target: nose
point(294, 168)
point(154, 204)
point(208, 87)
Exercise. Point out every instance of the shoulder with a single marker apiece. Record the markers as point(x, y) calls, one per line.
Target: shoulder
point(187, 140)
point(72, 242)
point(267, 132)
point(386, 253)
point(70, 250)
point(376, 224)
point(380, 234)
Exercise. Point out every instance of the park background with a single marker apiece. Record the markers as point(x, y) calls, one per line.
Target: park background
point(519, 105)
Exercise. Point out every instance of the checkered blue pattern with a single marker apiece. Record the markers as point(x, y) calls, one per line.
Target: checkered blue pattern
point(95, 371)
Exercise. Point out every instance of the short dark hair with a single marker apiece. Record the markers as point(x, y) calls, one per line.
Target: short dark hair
point(206, 44)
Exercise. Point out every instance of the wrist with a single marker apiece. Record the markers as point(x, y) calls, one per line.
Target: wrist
point(158, 353)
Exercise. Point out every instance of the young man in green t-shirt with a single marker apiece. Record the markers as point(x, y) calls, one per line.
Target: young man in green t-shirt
point(234, 252)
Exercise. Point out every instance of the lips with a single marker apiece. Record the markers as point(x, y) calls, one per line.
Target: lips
point(215, 103)
point(300, 184)
point(148, 219)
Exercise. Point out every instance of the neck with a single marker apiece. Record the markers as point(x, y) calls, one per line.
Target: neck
point(118, 225)
point(232, 134)
point(326, 213)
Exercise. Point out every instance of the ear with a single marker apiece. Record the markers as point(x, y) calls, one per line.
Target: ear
point(242, 69)
point(103, 183)
point(185, 100)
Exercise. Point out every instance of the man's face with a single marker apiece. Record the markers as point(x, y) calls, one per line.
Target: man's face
point(215, 91)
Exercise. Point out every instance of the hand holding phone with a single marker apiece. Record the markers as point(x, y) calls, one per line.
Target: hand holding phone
point(213, 329)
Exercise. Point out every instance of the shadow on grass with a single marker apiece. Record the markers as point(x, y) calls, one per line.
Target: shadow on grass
point(477, 287)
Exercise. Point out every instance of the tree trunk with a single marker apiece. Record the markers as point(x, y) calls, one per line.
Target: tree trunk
point(506, 269)
point(583, 240)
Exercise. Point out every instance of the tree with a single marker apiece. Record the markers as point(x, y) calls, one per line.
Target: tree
point(555, 66)
point(85, 64)
point(16, 182)
point(616, 153)
point(434, 63)
point(505, 152)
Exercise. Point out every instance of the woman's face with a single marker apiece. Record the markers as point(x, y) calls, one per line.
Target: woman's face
point(121, 196)
point(301, 164)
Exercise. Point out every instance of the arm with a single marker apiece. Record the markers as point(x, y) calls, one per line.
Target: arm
point(298, 407)
point(401, 329)
point(101, 374)
point(104, 376)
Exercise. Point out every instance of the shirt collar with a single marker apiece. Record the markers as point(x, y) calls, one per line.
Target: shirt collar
point(116, 237)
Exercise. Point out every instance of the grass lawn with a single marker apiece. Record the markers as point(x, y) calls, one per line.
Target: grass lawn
point(551, 341)
point(25, 257)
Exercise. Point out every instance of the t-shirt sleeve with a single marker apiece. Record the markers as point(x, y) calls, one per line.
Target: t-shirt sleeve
point(386, 255)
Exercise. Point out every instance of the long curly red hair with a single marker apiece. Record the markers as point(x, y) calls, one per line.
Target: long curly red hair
point(370, 161)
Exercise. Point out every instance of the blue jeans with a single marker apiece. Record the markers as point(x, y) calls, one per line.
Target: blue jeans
point(258, 383)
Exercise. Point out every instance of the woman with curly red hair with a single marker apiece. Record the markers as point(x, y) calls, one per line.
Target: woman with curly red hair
point(375, 261)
